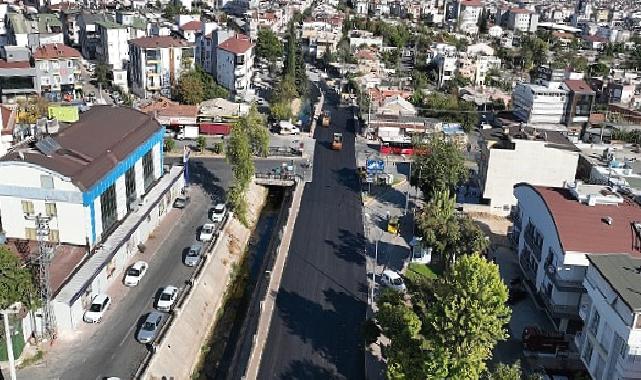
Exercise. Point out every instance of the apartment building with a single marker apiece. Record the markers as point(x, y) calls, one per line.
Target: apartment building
point(610, 342)
point(469, 12)
point(483, 64)
point(112, 48)
point(522, 155)
point(320, 36)
point(156, 63)
point(207, 42)
point(58, 75)
point(557, 228)
point(522, 20)
point(359, 38)
point(33, 30)
point(88, 34)
point(580, 102)
point(536, 104)
point(17, 76)
point(235, 62)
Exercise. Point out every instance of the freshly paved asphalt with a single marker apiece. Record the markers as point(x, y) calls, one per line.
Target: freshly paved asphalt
point(321, 304)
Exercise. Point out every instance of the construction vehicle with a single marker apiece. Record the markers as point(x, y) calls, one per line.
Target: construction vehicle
point(326, 119)
point(392, 225)
point(535, 339)
point(337, 143)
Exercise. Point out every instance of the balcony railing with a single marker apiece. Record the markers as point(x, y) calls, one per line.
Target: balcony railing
point(529, 273)
point(562, 284)
point(559, 311)
point(534, 244)
point(630, 366)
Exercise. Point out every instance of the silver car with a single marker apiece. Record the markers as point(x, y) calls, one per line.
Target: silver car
point(194, 255)
point(149, 328)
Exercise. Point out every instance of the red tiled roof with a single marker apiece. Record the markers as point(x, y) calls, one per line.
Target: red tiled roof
point(192, 25)
point(158, 42)
point(595, 39)
point(578, 85)
point(520, 10)
point(53, 51)
point(471, 3)
point(166, 107)
point(14, 65)
point(581, 228)
point(238, 44)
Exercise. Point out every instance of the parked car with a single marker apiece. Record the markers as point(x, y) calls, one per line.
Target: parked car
point(149, 328)
point(135, 273)
point(99, 305)
point(194, 255)
point(218, 213)
point(516, 291)
point(393, 280)
point(207, 232)
point(167, 298)
point(181, 202)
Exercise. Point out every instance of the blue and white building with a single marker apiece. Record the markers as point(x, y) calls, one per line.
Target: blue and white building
point(100, 183)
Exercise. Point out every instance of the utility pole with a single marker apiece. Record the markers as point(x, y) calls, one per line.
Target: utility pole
point(7, 335)
point(45, 251)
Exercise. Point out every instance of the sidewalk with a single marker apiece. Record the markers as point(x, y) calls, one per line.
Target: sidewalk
point(181, 349)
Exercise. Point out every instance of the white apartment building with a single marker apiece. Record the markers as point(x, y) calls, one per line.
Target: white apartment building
point(58, 75)
point(469, 12)
point(610, 343)
point(235, 62)
point(358, 38)
point(207, 42)
point(361, 7)
point(320, 36)
point(112, 48)
point(483, 65)
point(556, 228)
point(523, 20)
point(520, 155)
point(536, 104)
point(156, 64)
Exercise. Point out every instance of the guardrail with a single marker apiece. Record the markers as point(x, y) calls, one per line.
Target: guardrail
point(183, 297)
point(284, 177)
point(275, 151)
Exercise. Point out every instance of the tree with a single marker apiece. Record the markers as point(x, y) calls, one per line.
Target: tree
point(281, 110)
point(451, 329)
point(172, 10)
point(268, 45)
point(201, 143)
point(442, 168)
point(510, 372)
point(190, 89)
point(16, 281)
point(482, 24)
point(170, 144)
point(102, 70)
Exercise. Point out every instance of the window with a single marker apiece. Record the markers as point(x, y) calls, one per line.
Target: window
point(51, 209)
point(30, 234)
point(594, 324)
point(130, 187)
point(148, 169)
point(54, 235)
point(587, 353)
point(108, 208)
point(27, 207)
point(46, 181)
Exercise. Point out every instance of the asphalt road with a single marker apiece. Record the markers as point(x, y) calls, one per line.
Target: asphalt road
point(110, 348)
point(321, 304)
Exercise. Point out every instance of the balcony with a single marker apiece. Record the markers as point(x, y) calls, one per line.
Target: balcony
point(563, 284)
point(529, 273)
point(584, 310)
point(579, 338)
point(629, 367)
point(535, 243)
point(559, 311)
point(153, 85)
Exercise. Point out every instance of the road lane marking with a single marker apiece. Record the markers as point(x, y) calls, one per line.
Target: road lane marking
point(126, 335)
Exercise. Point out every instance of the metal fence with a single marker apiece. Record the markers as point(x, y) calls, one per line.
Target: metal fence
point(276, 151)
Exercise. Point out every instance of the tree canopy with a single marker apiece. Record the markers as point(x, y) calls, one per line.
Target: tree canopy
point(452, 328)
point(16, 281)
point(443, 167)
point(197, 85)
point(449, 108)
point(268, 45)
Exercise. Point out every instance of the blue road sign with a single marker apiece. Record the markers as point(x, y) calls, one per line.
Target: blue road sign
point(375, 166)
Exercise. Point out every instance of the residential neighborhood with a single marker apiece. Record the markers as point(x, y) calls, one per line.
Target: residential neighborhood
point(320, 189)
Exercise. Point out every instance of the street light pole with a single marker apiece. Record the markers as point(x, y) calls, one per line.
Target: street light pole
point(7, 335)
point(374, 270)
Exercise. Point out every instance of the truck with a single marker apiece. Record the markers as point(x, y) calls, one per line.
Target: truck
point(326, 119)
point(188, 132)
point(337, 143)
point(535, 339)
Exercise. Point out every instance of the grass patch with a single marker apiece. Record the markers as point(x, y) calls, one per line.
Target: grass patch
point(37, 357)
point(416, 272)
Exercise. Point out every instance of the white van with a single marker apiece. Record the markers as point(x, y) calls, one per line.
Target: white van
point(286, 128)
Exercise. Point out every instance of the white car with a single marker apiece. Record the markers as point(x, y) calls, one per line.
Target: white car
point(218, 213)
point(167, 298)
point(135, 273)
point(99, 305)
point(207, 232)
point(393, 280)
